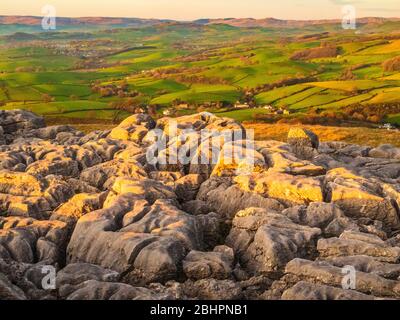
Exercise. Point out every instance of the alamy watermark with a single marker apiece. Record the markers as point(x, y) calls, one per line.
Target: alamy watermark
point(49, 21)
point(349, 278)
point(349, 18)
point(49, 279)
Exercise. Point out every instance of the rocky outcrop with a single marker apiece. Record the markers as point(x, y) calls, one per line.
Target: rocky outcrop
point(324, 273)
point(216, 264)
point(361, 197)
point(193, 208)
point(303, 142)
point(309, 291)
point(265, 241)
point(134, 128)
point(18, 121)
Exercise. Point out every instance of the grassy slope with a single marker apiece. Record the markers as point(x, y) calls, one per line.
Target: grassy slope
point(243, 58)
point(361, 136)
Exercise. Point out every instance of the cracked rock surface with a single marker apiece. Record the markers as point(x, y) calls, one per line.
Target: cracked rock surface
point(114, 225)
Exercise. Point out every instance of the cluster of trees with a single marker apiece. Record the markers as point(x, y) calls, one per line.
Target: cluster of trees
point(364, 113)
point(196, 58)
point(194, 78)
point(111, 90)
point(246, 59)
point(132, 106)
point(371, 113)
point(183, 74)
point(162, 73)
point(94, 63)
point(128, 105)
point(325, 51)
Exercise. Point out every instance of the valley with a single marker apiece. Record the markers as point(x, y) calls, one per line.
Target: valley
point(267, 71)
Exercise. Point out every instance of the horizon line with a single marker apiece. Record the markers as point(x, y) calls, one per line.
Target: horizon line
point(204, 18)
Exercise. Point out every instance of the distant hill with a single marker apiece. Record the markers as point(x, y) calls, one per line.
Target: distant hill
point(21, 36)
point(62, 21)
point(272, 22)
point(242, 22)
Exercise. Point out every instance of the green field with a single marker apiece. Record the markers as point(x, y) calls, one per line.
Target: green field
point(198, 65)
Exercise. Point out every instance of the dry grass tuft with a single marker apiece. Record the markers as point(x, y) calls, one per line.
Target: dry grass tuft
point(358, 135)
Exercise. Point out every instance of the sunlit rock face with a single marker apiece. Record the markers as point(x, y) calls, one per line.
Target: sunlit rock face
point(194, 208)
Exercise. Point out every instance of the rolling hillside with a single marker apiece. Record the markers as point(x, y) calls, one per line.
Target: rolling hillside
point(100, 67)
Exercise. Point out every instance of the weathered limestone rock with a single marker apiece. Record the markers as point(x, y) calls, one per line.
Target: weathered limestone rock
point(308, 291)
point(21, 184)
point(280, 159)
point(385, 151)
point(27, 278)
point(8, 291)
point(325, 216)
point(372, 168)
point(206, 155)
point(103, 175)
point(103, 148)
point(187, 187)
point(167, 177)
point(196, 207)
point(367, 264)
point(202, 265)
point(197, 122)
point(121, 227)
point(227, 199)
point(22, 194)
point(63, 167)
point(147, 189)
point(129, 153)
point(287, 189)
point(164, 219)
point(159, 261)
point(238, 157)
point(304, 142)
point(138, 119)
point(344, 149)
point(212, 289)
point(265, 241)
point(50, 133)
point(214, 229)
point(178, 151)
point(69, 278)
point(2, 137)
point(30, 241)
point(142, 257)
point(133, 128)
point(359, 197)
point(355, 243)
point(97, 290)
point(13, 121)
point(82, 281)
point(326, 274)
point(77, 206)
point(79, 186)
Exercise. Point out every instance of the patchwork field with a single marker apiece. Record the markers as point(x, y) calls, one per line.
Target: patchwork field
point(105, 74)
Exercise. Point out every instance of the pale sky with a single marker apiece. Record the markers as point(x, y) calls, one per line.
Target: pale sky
point(194, 9)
